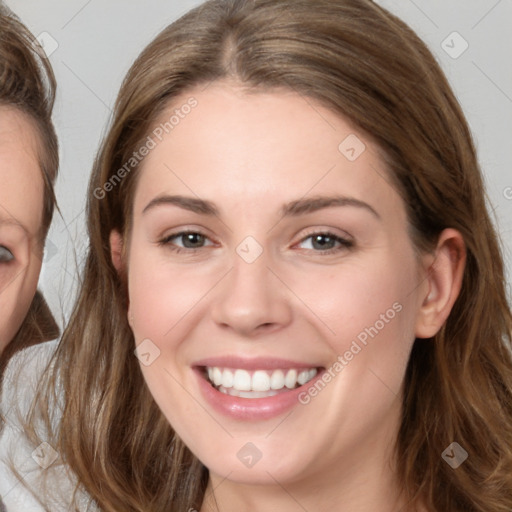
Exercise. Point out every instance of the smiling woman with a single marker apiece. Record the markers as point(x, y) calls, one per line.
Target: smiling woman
point(316, 226)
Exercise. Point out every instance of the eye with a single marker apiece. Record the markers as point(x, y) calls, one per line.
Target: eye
point(325, 242)
point(6, 256)
point(187, 240)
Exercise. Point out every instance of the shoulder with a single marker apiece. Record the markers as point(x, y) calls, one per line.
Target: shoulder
point(27, 360)
point(22, 376)
point(31, 471)
point(33, 477)
point(18, 391)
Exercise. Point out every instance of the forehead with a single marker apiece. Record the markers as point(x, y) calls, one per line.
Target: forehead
point(259, 146)
point(21, 192)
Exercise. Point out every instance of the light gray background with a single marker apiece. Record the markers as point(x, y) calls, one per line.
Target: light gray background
point(99, 39)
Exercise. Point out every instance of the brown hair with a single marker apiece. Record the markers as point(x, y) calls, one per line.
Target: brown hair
point(27, 83)
point(365, 64)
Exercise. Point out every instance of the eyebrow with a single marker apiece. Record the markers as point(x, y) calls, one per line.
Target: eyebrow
point(314, 204)
point(14, 222)
point(294, 208)
point(192, 204)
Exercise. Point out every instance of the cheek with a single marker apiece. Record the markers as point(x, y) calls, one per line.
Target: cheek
point(18, 290)
point(10, 316)
point(367, 311)
point(353, 297)
point(162, 296)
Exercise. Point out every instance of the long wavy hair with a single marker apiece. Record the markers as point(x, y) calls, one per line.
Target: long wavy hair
point(27, 83)
point(365, 64)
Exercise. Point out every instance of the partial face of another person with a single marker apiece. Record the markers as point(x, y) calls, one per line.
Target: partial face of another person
point(274, 291)
point(21, 207)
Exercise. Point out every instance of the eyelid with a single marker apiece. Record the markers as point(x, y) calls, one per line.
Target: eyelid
point(325, 230)
point(188, 232)
point(183, 229)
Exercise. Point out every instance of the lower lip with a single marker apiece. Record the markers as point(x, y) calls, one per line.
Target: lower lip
point(251, 408)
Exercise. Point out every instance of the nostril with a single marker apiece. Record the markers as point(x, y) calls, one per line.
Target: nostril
point(266, 326)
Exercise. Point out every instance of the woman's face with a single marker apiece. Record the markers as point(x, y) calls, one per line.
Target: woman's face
point(270, 254)
point(21, 207)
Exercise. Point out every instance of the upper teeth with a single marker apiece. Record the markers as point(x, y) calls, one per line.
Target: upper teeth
point(260, 380)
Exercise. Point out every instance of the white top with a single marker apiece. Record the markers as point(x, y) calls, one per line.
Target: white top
point(43, 483)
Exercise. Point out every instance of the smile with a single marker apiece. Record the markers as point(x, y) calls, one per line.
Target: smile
point(253, 389)
point(259, 383)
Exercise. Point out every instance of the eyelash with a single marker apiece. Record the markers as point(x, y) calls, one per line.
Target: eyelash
point(167, 241)
point(344, 244)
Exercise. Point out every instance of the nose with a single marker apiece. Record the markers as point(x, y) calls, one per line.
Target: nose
point(251, 300)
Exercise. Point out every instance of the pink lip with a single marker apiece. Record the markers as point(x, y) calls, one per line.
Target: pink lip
point(251, 408)
point(256, 363)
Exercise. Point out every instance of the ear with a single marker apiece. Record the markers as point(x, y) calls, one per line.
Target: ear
point(116, 250)
point(116, 253)
point(444, 272)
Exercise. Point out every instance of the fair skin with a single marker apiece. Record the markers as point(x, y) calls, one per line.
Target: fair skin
point(300, 304)
point(21, 208)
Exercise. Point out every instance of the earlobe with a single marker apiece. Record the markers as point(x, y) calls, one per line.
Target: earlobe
point(444, 276)
point(116, 250)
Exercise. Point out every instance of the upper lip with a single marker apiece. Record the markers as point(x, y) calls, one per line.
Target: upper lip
point(254, 363)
